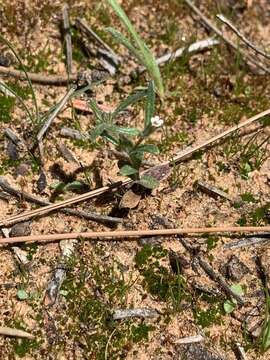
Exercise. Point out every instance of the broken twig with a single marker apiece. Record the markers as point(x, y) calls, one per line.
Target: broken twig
point(129, 313)
point(215, 276)
point(39, 78)
point(189, 340)
point(67, 36)
point(84, 27)
point(252, 241)
point(214, 191)
point(67, 249)
point(80, 213)
point(242, 37)
point(248, 59)
point(193, 48)
point(53, 115)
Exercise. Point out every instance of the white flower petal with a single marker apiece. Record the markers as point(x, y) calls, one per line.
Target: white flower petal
point(156, 121)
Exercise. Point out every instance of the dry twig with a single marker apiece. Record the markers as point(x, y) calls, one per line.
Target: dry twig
point(54, 114)
point(67, 249)
point(242, 37)
point(118, 234)
point(197, 46)
point(67, 36)
point(176, 159)
point(129, 313)
point(252, 241)
point(39, 78)
point(189, 340)
point(84, 27)
point(215, 276)
point(248, 59)
point(212, 190)
point(23, 195)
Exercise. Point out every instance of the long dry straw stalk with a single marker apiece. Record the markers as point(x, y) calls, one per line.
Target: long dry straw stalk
point(176, 159)
point(97, 235)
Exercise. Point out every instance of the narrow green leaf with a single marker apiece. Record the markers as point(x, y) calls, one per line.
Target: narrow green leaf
point(99, 114)
point(148, 182)
point(132, 99)
point(110, 138)
point(58, 187)
point(127, 131)
point(142, 52)
point(128, 170)
point(26, 75)
point(149, 104)
point(150, 148)
point(121, 39)
point(74, 185)
point(97, 131)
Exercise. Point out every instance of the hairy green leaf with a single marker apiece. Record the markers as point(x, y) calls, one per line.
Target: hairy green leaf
point(22, 294)
point(99, 114)
point(97, 131)
point(149, 104)
point(132, 99)
point(127, 131)
point(148, 182)
point(128, 170)
point(110, 138)
point(150, 148)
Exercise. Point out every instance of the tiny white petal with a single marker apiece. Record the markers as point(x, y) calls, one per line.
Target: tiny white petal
point(156, 121)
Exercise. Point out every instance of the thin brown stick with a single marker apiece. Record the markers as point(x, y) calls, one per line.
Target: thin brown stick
point(67, 36)
point(84, 27)
point(190, 151)
point(247, 58)
point(39, 78)
point(133, 233)
point(242, 37)
point(80, 213)
point(179, 157)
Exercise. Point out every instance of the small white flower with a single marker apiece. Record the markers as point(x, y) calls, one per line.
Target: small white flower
point(156, 121)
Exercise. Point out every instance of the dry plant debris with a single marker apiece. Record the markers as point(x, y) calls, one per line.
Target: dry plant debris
point(205, 146)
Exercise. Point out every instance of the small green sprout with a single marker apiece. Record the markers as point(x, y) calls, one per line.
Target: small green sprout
point(231, 304)
point(121, 137)
point(137, 47)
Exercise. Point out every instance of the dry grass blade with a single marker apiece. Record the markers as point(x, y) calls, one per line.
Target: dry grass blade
point(179, 157)
point(189, 340)
point(98, 235)
point(7, 331)
point(53, 115)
